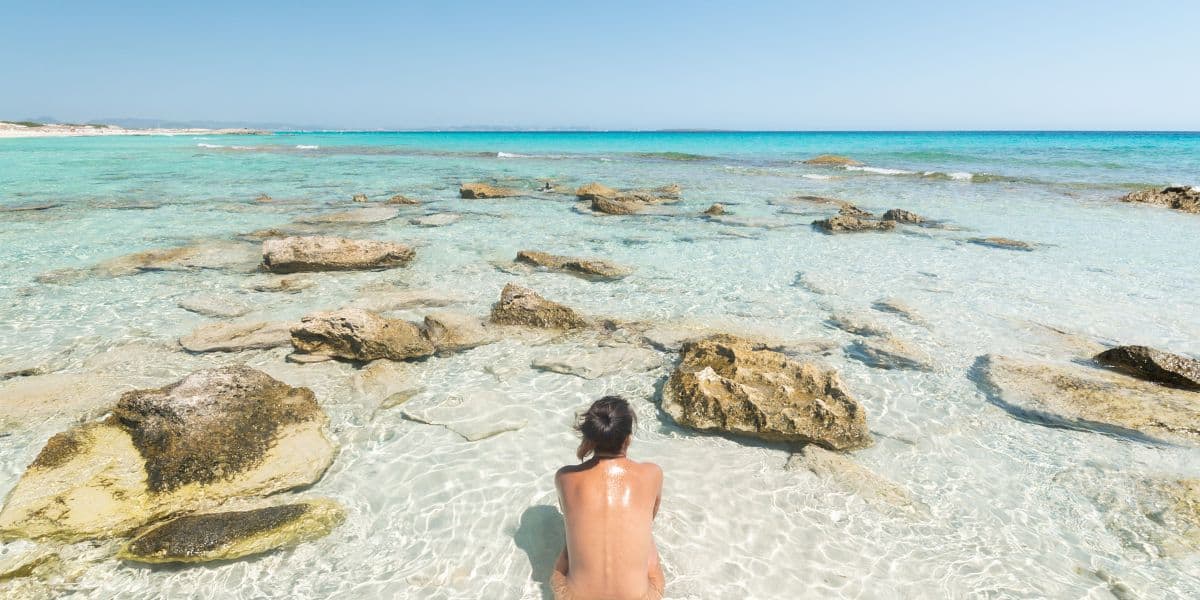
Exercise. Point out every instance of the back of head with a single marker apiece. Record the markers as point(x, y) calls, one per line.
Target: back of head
point(605, 426)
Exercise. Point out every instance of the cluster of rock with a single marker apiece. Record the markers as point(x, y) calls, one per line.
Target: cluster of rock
point(215, 436)
point(851, 218)
point(1182, 198)
point(604, 199)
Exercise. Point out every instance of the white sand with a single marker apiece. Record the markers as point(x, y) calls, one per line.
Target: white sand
point(12, 130)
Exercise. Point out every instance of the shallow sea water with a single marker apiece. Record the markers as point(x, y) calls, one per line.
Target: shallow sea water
point(1002, 508)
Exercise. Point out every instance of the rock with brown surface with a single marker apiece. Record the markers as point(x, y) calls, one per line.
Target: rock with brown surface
point(832, 160)
point(211, 436)
point(595, 190)
point(359, 198)
point(1070, 395)
point(357, 216)
point(452, 332)
point(611, 206)
point(233, 534)
point(844, 224)
point(900, 215)
point(323, 253)
point(522, 306)
point(584, 267)
point(715, 210)
point(1179, 197)
point(401, 199)
point(357, 334)
point(480, 191)
point(723, 384)
point(850, 210)
point(1153, 365)
point(1002, 243)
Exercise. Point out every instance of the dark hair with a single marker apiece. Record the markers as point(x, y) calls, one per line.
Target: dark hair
point(606, 425)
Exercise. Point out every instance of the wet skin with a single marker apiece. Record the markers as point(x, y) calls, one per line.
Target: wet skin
point(609, 504)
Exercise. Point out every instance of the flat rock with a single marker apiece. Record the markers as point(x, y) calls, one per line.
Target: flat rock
point(30, 207)
point(848, 475)
point(401, 199)
point(832, 160)
point(219, 255)
point(237, 336)
point(1078, 397)
point(1154, 365)
point(522, 306)
point(454, 332)
point(844, 224)
point(889, 353)
point(1002, 243)
point(215, 434)
point(357, 334)
point(36, 399)
point(484, 190)
point(371, 214)
point(1182, 198)
point(384, 384)
point(723, 384)
point(612, 206)
point(213, 306)
point(436, 220)
point(592, 268)
point(323, 253)
point(599, 362)
point(475, 415)
point(233, 534)
point(897, 306)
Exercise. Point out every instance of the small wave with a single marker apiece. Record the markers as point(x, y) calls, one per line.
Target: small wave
point(203, 145)
point(681, 156)
point(816, 176)
point(511, 155)
point(242, 147)
point(879, 170)
point(956, 176)
point(307, 147)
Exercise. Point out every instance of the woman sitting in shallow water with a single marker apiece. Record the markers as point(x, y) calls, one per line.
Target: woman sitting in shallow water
point(609, 503)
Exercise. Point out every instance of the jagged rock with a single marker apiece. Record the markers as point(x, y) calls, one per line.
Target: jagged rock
point(213, 306)
point(903, 216)
point(356, 334)
point(610, 206)
point(233, 534)
point(715, 210)
point(889, 353)
point(844, 224)
point(237, 336)
point(857, 325)
point(723, 384)
point(452, 332)
point(1002, 243)
point(1069, 395)
point(475, 415)
point(359, 198)
point(372, 214)
point(847, 474)
point(322, 253)
point(1184, 198)
point(385, 300)
point(850, 210)
point(586, 267)
point(436, 220)
point(483, 190)
point(402, 199)
point(522, 306)
point(595, 190)
point(1153, 365)
point(598, 362)
point(290, 285)
point(206, 255)
point(832, 160)
point(215, 434)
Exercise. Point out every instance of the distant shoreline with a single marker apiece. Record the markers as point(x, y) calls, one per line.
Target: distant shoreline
point(43, 130)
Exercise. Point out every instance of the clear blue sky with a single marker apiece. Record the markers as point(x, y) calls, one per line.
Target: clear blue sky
point(610, 63)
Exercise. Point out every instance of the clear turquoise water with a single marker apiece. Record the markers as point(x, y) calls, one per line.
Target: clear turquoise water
point(1009, 509)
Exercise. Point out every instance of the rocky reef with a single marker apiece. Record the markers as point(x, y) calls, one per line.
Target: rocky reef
point(1181, 198)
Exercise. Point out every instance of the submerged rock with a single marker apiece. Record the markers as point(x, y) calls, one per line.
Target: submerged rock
point(213, 306)
point(205, 255)
point(373, 214)
point(852, 323)
point(233, 534)
point(237, 336)
point(900, 215)
point(215, 434)
point(356, 334)
point(1154, 365)
point(599, 362)
point(586, 267)
point(1070, 395)
point(484, 190)
point(402, 200)
point(56, 396)
point(832, 160)
point(898, 307)
point(387, 298)
point(1002, 243)
point(1183, 198)
point(522, 306)
point(290, 285)
point(452, 332)
point(475, 415)
point(844, 224)
point(715, 210)
point(723, 384)
point(436, 220)
point(847, 474)
point(889, 353)
point(323, 253)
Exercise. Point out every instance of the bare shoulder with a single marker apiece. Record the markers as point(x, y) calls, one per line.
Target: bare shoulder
point(650, 470)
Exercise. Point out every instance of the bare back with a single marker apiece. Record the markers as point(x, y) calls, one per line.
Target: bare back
point(609, 506)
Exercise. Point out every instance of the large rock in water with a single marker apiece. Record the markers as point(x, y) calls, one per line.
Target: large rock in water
point(484, 190)
point(832, 160)
point(612, 206)
point(357, 334)
point(1184, 198)
point(1069, 395)
point(585, 267)
point(322, 253)
point(723, 384)
point(845, 224)
point(1154, 365)
point(215, 434)
point(522, 306)
point(234, 534)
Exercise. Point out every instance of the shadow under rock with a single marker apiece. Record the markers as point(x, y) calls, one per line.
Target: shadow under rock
point(541, 535)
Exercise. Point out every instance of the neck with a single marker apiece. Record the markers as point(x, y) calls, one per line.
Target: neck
point(600, 455)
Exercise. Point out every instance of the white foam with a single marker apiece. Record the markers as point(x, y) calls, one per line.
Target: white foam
point(879, 170)
point(510, 155)
point(307, 147)
point(816, 176)
point(203, 145)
